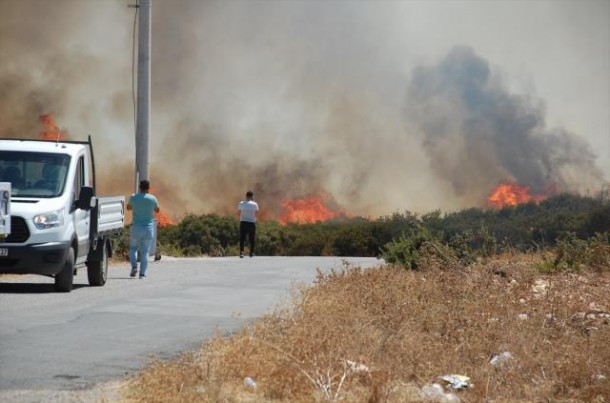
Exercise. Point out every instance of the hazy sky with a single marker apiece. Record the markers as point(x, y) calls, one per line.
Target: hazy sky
point(369, 102)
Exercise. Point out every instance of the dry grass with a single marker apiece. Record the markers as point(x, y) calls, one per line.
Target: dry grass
point(379, 335)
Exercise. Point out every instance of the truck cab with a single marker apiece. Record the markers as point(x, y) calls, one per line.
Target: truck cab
point(57, 223)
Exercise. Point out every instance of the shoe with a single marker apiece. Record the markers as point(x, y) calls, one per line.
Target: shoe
point(252, 255)
point(142, 276)
point(134, 271)
point(241, 255)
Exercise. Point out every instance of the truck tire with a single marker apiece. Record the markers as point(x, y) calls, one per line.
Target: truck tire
point(98, 271)
point(65, 278)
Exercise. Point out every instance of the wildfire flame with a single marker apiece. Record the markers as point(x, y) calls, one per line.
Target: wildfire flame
point(309, 209)
point(511, 194)
point(50, 130)
point(163, 220)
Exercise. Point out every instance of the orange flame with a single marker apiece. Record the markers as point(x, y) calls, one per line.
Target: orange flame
point(309, 209)
point(163, 220)
point(50, 130)
point(511, 194)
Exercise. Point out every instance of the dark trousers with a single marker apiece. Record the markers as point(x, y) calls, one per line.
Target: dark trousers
point(249, 229)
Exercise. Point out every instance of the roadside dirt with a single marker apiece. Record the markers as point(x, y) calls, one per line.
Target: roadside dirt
point(104, 393)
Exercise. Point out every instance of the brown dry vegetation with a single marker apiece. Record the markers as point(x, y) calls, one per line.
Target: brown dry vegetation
point(408, 328)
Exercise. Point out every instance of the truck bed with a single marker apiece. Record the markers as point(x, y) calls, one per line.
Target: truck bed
point(110, 214)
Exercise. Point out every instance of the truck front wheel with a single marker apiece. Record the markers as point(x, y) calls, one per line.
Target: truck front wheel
point(98, 271)
point(65, 278)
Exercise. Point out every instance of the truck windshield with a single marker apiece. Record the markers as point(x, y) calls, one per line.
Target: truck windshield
point(33, 174)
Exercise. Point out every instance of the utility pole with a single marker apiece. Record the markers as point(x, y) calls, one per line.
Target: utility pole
point(143, 98)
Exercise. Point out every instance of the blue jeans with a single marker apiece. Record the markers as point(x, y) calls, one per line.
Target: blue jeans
point(140, 241)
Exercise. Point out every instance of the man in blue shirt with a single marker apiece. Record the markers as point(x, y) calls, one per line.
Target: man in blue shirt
point(143, 205)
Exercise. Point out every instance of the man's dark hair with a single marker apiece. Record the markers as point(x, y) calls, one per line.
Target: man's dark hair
point(144, 185)
point(249, 194)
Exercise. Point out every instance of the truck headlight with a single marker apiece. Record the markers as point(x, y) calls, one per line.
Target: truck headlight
point(49, 220)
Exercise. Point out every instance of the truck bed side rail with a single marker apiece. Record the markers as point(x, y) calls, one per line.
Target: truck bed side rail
point(110, 215)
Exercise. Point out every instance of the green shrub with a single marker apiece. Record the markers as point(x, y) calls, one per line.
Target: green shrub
point(573, 253)
point(405, 250)
point(471, 244)
point(208, 234)
point(307, 240)
point(355, 239)
point(269, 238)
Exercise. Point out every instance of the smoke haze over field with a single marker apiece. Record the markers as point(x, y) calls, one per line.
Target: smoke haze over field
point(382, 106)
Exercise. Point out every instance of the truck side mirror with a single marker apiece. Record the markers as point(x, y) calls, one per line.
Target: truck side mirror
point(86, 200)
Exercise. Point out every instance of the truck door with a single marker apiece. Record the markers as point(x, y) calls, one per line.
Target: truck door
point(82, 219)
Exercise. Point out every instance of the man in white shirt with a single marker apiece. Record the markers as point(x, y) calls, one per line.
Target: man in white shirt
point(247, 222)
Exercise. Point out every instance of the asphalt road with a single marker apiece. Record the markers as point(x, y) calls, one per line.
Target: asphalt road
point(64, 342)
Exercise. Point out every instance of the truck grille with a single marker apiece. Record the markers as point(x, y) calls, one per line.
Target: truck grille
point(19, 231)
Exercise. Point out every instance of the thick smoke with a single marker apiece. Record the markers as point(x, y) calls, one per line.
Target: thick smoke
point(218, 168)
point(254, 105)
point(477, 134)
point(289, 99)
point(56, 58)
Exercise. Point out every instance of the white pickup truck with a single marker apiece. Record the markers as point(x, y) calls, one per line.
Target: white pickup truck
point(57, 224)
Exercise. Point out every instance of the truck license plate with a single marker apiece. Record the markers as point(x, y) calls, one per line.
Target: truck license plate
point(3, 251)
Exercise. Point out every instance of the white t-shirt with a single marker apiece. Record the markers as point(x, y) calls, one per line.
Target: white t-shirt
point(248, 209)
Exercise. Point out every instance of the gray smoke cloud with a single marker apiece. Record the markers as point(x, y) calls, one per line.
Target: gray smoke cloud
point(289, 99)
point(477, 134)
point(251, 105)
